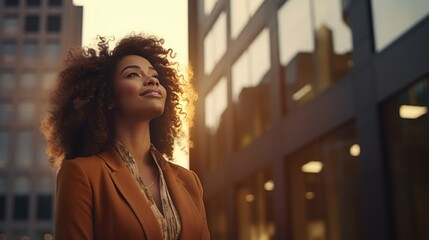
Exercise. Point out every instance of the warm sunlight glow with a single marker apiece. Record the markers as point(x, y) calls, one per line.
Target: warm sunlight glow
point(355, 150)
point(166, 19)
point(411, 111)
point(312, 167)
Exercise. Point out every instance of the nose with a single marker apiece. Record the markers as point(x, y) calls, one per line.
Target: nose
point(152, 81)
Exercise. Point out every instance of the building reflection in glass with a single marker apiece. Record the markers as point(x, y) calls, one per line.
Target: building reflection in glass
point(405, 120)
point(254, 208)
point(250, 93)
point(216, 103)
point(315, 48)
point(391, 19)
point(323, 186)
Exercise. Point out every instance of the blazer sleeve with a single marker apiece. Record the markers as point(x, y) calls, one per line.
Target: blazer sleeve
point(201, 208)
point(73, 215)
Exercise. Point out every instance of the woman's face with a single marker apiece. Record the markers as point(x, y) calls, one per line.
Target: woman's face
point(137, 92)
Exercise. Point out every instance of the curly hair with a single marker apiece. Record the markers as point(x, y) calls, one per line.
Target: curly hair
point(78, 122)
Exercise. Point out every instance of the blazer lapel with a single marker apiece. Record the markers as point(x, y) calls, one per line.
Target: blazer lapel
point(126, 184)
point(188, 213)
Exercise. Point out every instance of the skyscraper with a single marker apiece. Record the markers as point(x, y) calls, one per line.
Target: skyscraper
point(312, 120)
point(34, 37)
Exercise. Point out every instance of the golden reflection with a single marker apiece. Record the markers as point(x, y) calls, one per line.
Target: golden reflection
point(412, 111)
point(269, 185)
point(309, 195)
point(249, 198)
point(302, 92)
point(312, 167)
point(355, 150)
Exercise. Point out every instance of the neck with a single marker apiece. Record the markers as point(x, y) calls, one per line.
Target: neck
point(136, 138)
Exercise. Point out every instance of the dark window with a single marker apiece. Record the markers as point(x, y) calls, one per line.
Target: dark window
point(33, 3)
point(54, 23)
point(32, 23)
point(2, 207)
point(55, 2)
point(44, 207)
point(20, 209)
point(323, 184)
point(405, 120)
point(11, 3)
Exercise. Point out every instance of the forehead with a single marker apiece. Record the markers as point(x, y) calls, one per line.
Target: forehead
point(128, 60)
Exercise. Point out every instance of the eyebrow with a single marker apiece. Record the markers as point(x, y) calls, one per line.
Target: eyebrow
point(136, 66)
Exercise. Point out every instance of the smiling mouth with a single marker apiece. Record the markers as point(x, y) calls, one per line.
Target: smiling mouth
point(151, 93)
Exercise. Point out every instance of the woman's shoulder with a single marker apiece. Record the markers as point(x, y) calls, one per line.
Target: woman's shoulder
point(88, 163)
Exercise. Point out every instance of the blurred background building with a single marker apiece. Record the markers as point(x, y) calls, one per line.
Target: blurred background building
point(34, 36)
point(312, 117)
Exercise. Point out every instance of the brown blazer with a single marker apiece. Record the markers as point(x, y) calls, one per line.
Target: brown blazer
point(97, 198)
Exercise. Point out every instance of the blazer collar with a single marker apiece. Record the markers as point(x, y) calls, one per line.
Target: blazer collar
point(126, 184)
point(184, 203)
point(123, 179)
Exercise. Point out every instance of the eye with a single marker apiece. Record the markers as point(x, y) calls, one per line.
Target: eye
point(133, 74)
point(156, 76)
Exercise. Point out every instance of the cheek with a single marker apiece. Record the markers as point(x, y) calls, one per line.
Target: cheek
point(125, 90)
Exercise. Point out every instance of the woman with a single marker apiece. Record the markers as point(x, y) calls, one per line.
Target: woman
point(109, 115)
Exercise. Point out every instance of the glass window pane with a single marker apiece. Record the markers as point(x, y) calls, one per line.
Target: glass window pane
point(48, 80)
point(216, 103)
point(54, 23)
point(391, 19)
point(241, 12)
point(9, 51)
point(31, 51)
point(324, 179)
point(4, 148)
point(209, 5)
point(55, 2)
point(11, 3)
point(28, 81)
point(21, 199)
point(295, 30)
point(405, 120)
point(33, 3)
point(315, 48)
point(44, 198)
point(32, 23)
point(10, 25)
point(24, 149)
point(328, 17)
point(52, 51)
point(254, 207)
point(215, 44)
point(6, 110)
point(252, 65)
point(26, 112)
point(7, 82)
point(251, 104)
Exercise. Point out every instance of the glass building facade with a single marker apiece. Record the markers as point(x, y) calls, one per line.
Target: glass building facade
point(312, 117)
point(34, 36)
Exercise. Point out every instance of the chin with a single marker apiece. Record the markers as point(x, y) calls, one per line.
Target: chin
point(153, 113)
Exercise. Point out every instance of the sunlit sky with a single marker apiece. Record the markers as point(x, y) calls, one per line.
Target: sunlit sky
point(167, 19)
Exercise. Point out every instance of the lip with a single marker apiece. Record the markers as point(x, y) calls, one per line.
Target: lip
point(153, 92)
